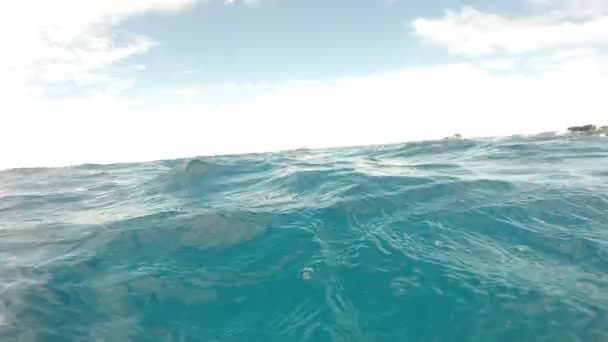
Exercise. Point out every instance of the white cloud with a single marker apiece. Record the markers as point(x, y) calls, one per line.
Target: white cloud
point(571, 61)
point(498, 64)
point(223, 92)
point(250, 3)
point(572, 8)
point(192, 91)
point(470, 32)
point(402, 105)
point(141, 67)
point(50, 42)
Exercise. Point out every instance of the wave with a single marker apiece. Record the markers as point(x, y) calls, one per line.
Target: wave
point(488, 239)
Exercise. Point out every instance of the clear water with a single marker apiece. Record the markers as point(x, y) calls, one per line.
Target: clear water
point(472, 240)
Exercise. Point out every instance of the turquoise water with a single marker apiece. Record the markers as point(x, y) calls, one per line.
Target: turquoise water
point(471, 240)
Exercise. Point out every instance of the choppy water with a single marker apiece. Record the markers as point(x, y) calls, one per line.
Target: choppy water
point(488, 240)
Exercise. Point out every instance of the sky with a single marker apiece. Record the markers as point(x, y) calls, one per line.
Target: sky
point(105, 81)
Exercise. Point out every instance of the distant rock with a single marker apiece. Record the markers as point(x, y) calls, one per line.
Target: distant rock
point(589, 129)
point(456, 136)
point(583, 129)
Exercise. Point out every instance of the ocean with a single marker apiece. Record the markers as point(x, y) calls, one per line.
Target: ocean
point(502, 239)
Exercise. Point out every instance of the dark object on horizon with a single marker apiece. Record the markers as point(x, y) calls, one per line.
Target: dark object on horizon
point(456, 136)
point(584, 129)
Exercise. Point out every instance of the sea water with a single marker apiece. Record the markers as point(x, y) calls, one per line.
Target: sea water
point(456, 240)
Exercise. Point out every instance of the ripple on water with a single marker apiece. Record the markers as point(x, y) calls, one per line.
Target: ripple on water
point(471, 240)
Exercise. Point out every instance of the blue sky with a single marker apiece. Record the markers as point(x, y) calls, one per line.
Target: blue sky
point(114, 81)
point(285, 39)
